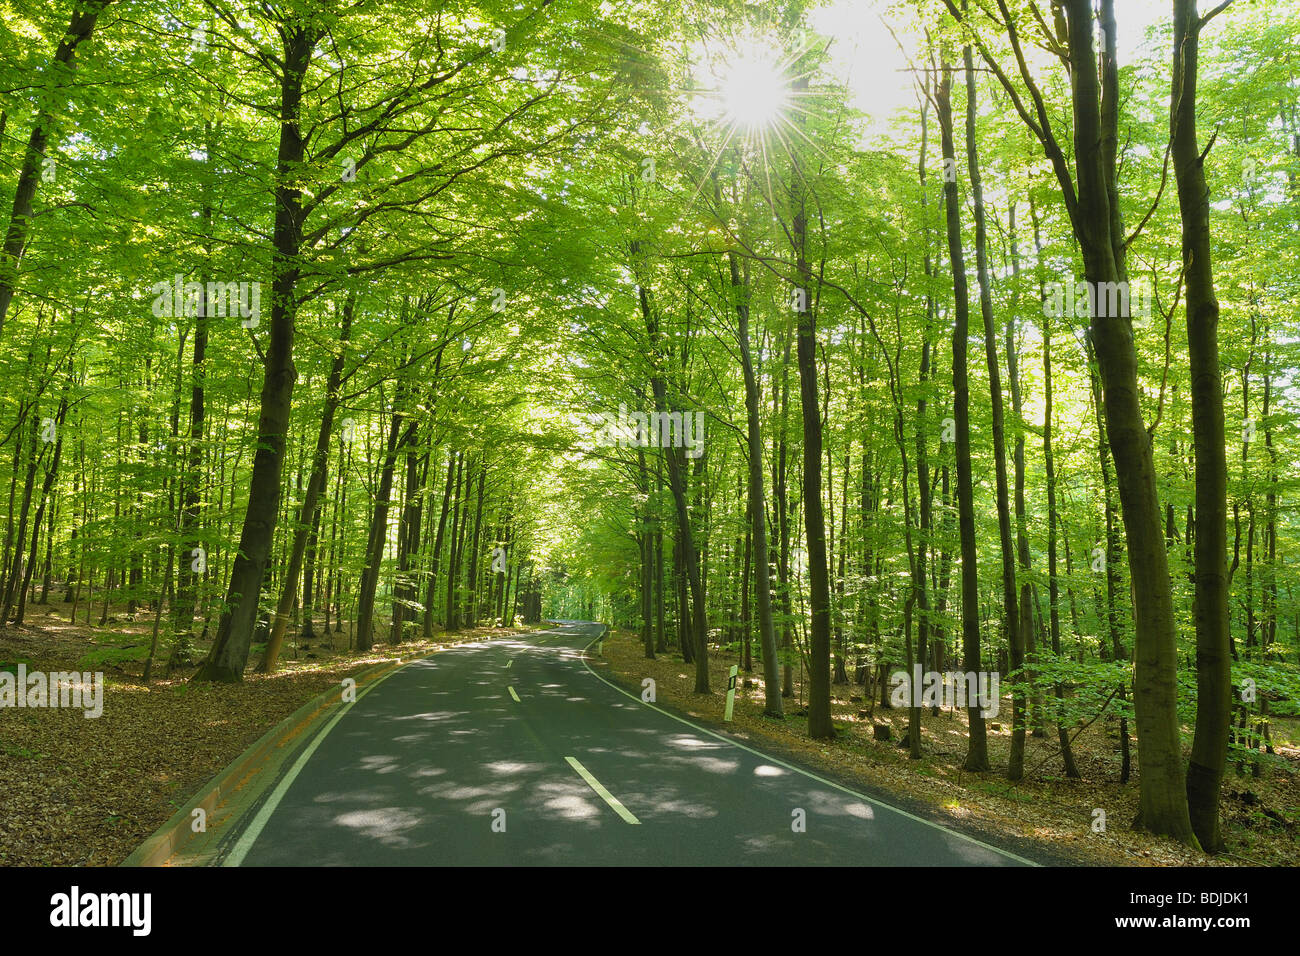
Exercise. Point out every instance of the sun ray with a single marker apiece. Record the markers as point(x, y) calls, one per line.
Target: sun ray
point(713, 162)
point(753, 91)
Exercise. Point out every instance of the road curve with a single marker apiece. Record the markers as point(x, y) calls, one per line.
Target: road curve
point(514, 752)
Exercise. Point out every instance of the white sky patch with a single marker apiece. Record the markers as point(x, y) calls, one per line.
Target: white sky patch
point(866, 57)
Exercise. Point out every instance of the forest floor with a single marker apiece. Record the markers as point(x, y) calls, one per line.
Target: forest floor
point(86, 792)
point(1261, 815)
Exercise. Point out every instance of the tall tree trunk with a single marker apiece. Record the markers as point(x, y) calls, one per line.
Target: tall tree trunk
point(1116, 648)
point(189, 571)
point(378, 538)
point(309, 579)
point(229, 652)
point(677, 485)
point(408, 537)
point(51, 475)
point(307, 511)
point(645, 546)
point(472, 607)
point(661, 636)
point(783, 505)
point(34, 455)
point(819, 597)
point(451, 621)
point(1028, 591)
point(772, 706)
point(1010, 608)
point(977, 757)
point(1053, 582)
point(430, 590)
point(1163, 800)
point(1270, 538)
point(841, 675)
point(1213, 658)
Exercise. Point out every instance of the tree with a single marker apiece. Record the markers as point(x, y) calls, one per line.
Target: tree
point(1213, 652)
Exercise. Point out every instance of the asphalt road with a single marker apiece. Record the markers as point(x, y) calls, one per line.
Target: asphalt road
point(440, 764)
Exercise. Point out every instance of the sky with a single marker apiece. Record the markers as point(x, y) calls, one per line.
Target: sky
point(866, 56)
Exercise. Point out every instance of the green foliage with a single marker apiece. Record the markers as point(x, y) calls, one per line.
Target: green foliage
point(482, 204)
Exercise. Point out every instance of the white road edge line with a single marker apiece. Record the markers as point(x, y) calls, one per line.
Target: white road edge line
point(812, 776)
point(254, 829)
point(605, 795)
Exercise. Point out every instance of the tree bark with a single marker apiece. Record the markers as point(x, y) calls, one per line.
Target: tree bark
point(677, 485)
point(772, 706)
point(229, 654)
point(311, 498)
point(1053, 583)
point(431, 590)
point(1213, 656)
point(819, 598)
point(378, 538)
point(1010, 608)
point(977, 758)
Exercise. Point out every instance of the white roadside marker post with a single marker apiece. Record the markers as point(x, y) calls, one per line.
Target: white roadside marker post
point(731, 691)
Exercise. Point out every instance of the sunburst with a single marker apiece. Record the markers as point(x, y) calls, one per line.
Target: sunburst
point(755, 90)
point(749, 88)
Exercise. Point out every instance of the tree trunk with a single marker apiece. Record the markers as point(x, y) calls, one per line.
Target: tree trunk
point(229, 652)
point(378, 538)
point(819, 598)
point(451, 621)
point(1213, 657)
point(772, 706)
point(1163, 801)
point(645, 547)
point(1010, 609)
point(307, 511)
point(431, 591)
point(51, 475)
point(1053, 584)
point(977, 758)
point(408, 537)
point(188, 579)
point(677, 485)
point(472, 607)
